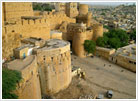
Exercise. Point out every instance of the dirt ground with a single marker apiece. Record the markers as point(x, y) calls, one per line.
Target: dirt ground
point(101, 75)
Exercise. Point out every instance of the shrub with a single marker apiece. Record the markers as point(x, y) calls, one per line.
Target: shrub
point(9, 80)
point(89, 46)
point(115, 38)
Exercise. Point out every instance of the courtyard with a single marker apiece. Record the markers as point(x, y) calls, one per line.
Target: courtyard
point(101, 75)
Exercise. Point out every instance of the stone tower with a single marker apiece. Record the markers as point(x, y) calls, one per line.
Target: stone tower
point(54, 63)
point(97, 31)
point(84, 16)
point(71, 9)
point(83, 9)
point(78, 40)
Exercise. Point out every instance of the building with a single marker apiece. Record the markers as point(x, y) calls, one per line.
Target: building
point(71, 9)
point(51, 63)
point(125, 57)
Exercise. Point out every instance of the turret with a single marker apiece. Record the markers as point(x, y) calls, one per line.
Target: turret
point(97, 31)
point(83, 9)
point(78, 41)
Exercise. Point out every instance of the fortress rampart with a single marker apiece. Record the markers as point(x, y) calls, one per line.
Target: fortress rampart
point(55, 66)
point(78, 40)
point(29, 86)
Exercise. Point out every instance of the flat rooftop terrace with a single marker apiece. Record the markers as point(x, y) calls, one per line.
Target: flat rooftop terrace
point(54, 43)
point(130, 49)
point(20, 64)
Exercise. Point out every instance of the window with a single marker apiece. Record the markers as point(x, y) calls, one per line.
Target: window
point(44, 58)
point(32, 72)
point(51, 58)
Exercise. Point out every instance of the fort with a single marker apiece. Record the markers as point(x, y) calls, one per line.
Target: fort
point(41, 43)
point(26, 25)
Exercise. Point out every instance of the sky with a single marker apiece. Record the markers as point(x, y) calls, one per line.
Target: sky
point(107, 3)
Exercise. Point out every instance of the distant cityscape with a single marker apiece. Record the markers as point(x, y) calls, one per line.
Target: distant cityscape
point(109, 3)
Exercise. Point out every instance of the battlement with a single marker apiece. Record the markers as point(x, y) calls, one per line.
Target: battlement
point(28, 68)
point(34, 22)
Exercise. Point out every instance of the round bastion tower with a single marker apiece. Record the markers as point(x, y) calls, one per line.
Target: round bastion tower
point(54, 63)
point(83, 9)
point(78, 40)
point(97, 31)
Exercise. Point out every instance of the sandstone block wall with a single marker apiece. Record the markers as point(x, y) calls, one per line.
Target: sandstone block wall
point(71, 10)
point(55, 69)
point(10, 41)
point(55, 20)
point(29, 86)
point(78, 43)
point(97, 31)
point(14, 10)
point(125, 62)
point(19, 53)
point(104, 52)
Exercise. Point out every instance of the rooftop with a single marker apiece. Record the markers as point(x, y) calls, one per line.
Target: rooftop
point(128, 51)
point(32, 39)
point(20, 64)
point(54, 43)
point(55, 32)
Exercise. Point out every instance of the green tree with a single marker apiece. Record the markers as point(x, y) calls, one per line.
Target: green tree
point(102, 13)
point(133, 35)
point(37, 7)
point(9, 80)
point(122, 35)
point(114, 43)
point(102, 41)
point(89, 46)
point(118, 34)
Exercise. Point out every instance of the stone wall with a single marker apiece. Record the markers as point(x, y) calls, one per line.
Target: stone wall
point(55, 69)
point(71, 9)
point(78, 43)
point(97, 31)
point(126, 63)
point(14, 10)
point(29, 86)
point(104, 52)
point(10, 41)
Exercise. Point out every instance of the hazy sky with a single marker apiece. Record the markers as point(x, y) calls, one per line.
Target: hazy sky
point(107, 3)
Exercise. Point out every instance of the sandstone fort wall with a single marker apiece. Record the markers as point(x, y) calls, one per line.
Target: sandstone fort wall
point(78, 43)
point(29, 86)
point(55, 69)
point(97, 31)
point(14, 10)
